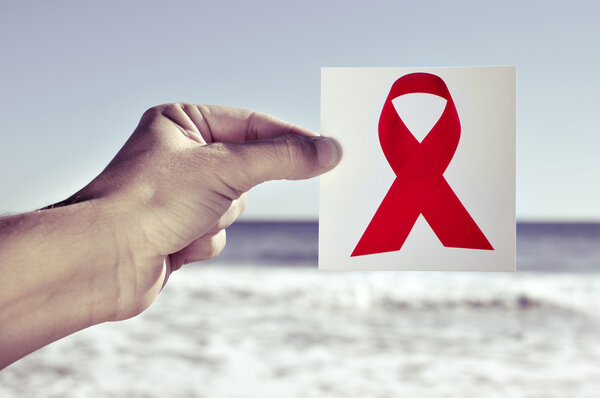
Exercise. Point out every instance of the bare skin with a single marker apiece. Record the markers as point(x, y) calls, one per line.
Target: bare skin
point(164, 201)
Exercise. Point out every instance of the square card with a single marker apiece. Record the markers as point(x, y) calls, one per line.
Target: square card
point(427, 178)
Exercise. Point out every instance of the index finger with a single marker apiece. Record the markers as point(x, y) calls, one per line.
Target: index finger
point(226, 124)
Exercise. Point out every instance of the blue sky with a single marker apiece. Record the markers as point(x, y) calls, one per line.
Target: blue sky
point(76, 76)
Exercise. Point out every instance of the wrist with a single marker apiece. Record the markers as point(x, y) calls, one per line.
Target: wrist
point(84, 237)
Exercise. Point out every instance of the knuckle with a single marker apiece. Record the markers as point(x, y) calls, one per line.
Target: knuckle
point(214, 246)
point(251, 130)
point(187, 107)
point(152, 113)
point(171, 106)
point(159, 110)
point(255, 121)
point(295, 149)
point(289, 147)
point(230, 190)
point(220, 149)
point(229, 165)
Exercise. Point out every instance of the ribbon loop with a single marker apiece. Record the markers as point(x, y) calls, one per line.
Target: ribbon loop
point(420, 186)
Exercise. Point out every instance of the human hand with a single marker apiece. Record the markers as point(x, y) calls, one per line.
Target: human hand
point(182, 178)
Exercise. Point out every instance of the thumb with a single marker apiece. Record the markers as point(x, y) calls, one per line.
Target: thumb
point(288, 156)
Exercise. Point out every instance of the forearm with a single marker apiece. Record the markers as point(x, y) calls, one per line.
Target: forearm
point(57, 275)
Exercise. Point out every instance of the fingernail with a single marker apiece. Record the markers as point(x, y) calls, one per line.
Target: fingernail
point(328, 151)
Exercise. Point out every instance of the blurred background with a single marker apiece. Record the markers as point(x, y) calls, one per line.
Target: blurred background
point(260, 320)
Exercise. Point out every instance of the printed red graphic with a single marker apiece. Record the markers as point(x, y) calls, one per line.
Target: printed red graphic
point(420, 186)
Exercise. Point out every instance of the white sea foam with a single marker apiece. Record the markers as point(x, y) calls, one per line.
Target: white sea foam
point(295, 332)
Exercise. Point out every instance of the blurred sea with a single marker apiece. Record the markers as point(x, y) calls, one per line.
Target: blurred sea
point(261, 321)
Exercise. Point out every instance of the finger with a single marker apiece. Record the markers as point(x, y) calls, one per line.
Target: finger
point(203, 248)
point(235, 210)
point(288, 156)
point(182, 115)
point(225, 124)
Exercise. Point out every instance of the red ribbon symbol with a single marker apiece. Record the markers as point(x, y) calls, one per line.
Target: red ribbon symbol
point(420, 186)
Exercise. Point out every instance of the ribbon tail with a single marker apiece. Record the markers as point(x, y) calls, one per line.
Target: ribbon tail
point(450, 221)
point(390, 225)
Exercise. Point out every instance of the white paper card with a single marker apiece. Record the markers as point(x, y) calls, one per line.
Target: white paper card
point(480, 173)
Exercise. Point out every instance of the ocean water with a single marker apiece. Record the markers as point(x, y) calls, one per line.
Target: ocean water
point(261, 321)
